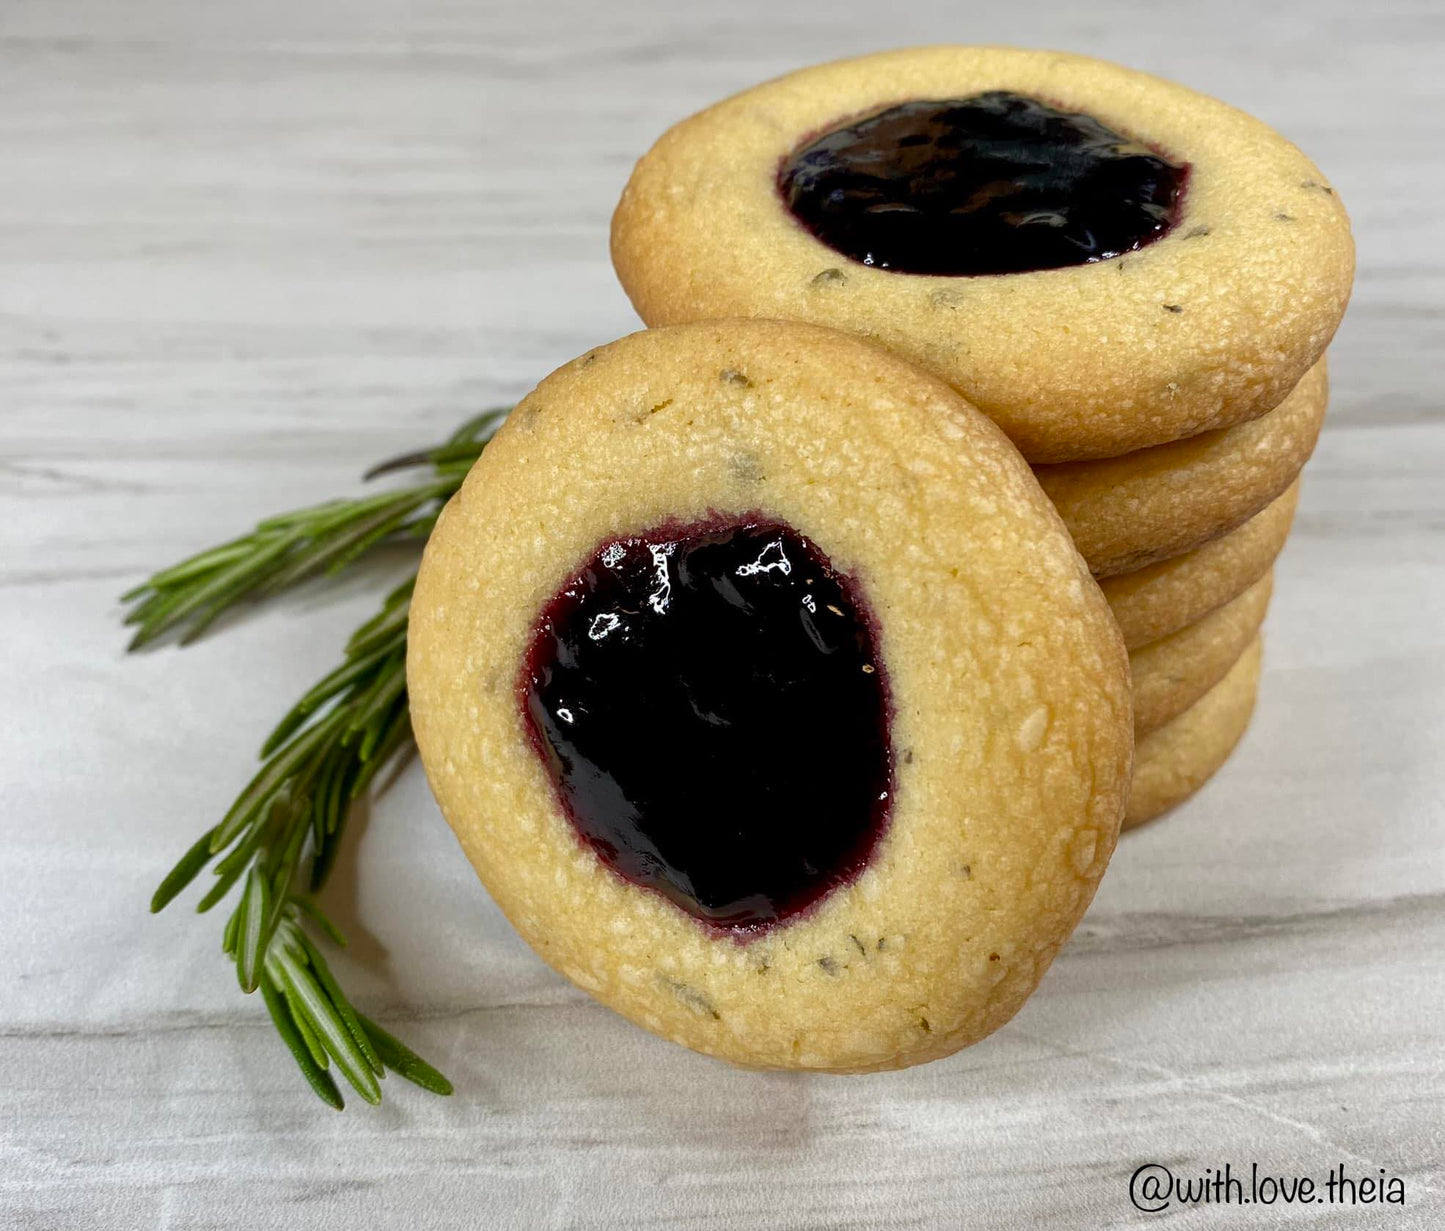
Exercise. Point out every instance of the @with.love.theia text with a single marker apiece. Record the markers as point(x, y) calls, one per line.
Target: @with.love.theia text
point(1155, 1188)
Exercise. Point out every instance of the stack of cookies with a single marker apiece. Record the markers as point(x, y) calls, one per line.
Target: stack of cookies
point(1183, 537)
point(1135, 282)
point(759, 668)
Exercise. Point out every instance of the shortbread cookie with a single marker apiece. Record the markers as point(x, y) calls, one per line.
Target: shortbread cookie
point(1128, 512)
point(1100, 260)
point(767, 695)
point(1174, 672)
point(1173, 762)
point(1153, 602)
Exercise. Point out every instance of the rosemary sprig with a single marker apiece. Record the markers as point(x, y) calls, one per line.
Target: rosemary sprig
point(292, 547)
point(318, 761)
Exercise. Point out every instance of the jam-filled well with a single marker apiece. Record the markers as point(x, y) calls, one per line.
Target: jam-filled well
point(992, 184)
point(711, 707)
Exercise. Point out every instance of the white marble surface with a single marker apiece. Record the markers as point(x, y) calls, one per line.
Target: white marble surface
point(245, 249)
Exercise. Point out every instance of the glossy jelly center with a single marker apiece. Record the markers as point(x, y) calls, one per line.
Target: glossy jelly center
point(711, 707)
point(993, 184)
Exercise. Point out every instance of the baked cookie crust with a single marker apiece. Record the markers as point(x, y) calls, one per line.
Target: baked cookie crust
point(1208, 326)
point(1163, 598)
point(1174, 672)
point(1174, 761)
point(1012, 728)
point(1128, 512)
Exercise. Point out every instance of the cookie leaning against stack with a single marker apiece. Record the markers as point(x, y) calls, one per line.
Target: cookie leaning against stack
point(769, 697)
point(1135, 281)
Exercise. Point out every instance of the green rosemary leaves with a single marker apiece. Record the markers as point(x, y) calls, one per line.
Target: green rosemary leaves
point(279, 839)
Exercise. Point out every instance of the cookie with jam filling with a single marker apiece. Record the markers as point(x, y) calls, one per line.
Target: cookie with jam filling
point(768, 696)
point(1098, 259)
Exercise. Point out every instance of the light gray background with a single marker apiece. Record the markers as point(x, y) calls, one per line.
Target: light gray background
point(248, 248)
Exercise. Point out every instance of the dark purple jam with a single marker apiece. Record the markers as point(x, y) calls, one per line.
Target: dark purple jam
point(710, 704)
point(993, 184)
